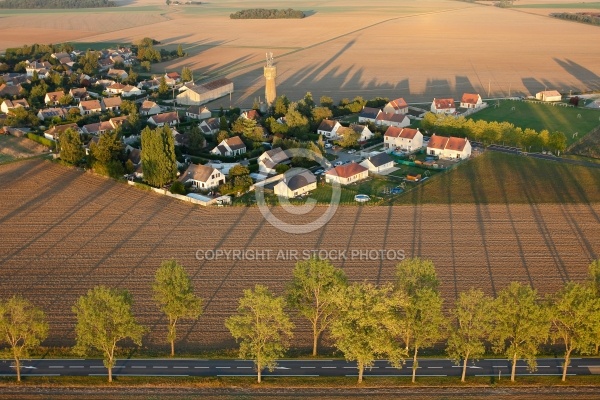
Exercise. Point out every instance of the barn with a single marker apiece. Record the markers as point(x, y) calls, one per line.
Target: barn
point(195, 95)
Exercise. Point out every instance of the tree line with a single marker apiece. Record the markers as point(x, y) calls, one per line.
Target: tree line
point(587, 18)
point(31, 4)
point(495, 132)
point(365, 322)
point(262, 13)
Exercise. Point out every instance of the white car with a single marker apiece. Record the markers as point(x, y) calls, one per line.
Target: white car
point(351, 151)
point(328, 145)
point(338, 163)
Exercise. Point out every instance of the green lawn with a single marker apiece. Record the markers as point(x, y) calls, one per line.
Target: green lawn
point(582, 5)
point(540, 116)
point(504, 178)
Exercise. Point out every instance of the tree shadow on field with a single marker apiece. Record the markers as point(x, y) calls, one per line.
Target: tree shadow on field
point(590, 79)
point(533, 85)
point(463, 85)
point(309, 13)
point(174, 40)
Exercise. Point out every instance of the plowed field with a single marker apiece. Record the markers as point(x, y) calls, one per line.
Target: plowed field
point(63, 231)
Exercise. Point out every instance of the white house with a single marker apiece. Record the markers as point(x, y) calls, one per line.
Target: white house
point(49, 113)
point(406, 139)
point(54, 132)
point(90, 107)
point(398, 106)
point(363, 131)
point(210, 126)
point(230, 147)
point(79, 94)
point(470, 100)
point(368, 114)
point(198, 112)
point(295, 182)
point(268, 160)
point(397, 120)
point(169, 118)
point(53, 98)
point(328, 128)
point(115, 88)
point(548, 95)
point(8, 105)
point(443, 106)
point(202, 177)
point(449, 147)
point(130, 91)
point(149, 108)
point(250, 114)
point(380, 162)
point(117, 73)
point(112, 104)
point(347, 173)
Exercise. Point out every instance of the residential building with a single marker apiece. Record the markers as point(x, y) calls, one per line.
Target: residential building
point(250, 114)
point(295, 182)
point(117, 74)
point(202, 177)
point(198, 112)
point(54, 132)
point(8, 105)
point(169, 118)
point(149, 108)
point(112, 104)
point(210, 126)
point(347, 174)
point(405, 139)
point(548, 95)
point(398, 106)
point(268, 161)
point(90, 107)
point(378, 163)
point(129, 91)
point(79, 94)
point(471, 100)
point(49, 113)
point(53, 98)
point(329, 128)
point(369, 114)
point(397, 120)
point(443, 106)
point(363, 131)
point(230, 147)
point(449, 147)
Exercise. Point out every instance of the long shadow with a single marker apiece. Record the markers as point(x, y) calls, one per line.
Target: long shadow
point(463, 85)
point(452, 238)
point(390, 221)
point(351, 235)
point(589, 78)
point(533, 85)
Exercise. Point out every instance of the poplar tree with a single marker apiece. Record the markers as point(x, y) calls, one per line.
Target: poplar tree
point(159, 163)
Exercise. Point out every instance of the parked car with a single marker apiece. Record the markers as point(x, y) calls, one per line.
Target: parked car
point(328, 145)
point(319, 171)
point(351, 151)
point(338, 163)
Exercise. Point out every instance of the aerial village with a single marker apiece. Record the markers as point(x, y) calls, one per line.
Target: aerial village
point(222, 154)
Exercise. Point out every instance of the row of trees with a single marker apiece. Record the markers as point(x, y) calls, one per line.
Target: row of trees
point(262, 13)
point(393, 321)
point(495, 132)
point(587, 18)
point(29, 4)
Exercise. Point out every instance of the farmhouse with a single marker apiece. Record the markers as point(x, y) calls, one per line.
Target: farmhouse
point(449, 147)
point(200, 94)
point(198, 112)
point(379, 163)
point(202, 177)
point(470, 100)
point(50, 113)
point(111, 104)
point(268, 160)
point(230, 147)
point(328, 128)
point(443, 106)
point(295, 182)
point(53, 98)
point(210, 126)
point(548, 95)
point(368, 114)
point(8, 105)
point(363, 131)
point(149, 108)
point(398, 106)
point(79, 94)
point(406, 139)
point(397, 120)
point(170, 118)
point(90, 107)
point(54, 132)
point(346, 174)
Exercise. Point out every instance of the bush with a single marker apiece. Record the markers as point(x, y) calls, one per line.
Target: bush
point(261, 13)
point(178, 188)
point(41, 140)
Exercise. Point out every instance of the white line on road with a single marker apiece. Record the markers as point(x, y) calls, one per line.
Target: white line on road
point(328, 367)
point(244, 367)
point(436, 367)
point(97, 366)
point(159, 367)
point(223, 367)
point(585, 366)
point(307, 367)
point(499, 366)
point(204, 367)
point(75, 366)
point(138, 366)
point(56, 366)
point(350, 367)
point(181, 367)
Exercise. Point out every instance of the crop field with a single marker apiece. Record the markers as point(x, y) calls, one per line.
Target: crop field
point(417, 50)
point(63, 231)
point(12, 148)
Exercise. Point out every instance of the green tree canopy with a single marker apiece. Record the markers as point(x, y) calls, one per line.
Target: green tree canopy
point(261, 327)
point(71, 148)
point(158, 156)
point(104, 318)
point(174, 293)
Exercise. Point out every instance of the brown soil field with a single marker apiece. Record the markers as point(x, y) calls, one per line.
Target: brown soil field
point(344, 48)
point(64, 231)
point(17, 147)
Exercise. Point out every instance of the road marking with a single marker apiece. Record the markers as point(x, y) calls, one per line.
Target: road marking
point(372, 375)
point(181, 367)
point(269, 375)
point(585, 366)
point(241, 367)
point(75, 366)
point(435, 367)
point(223, 367)
point(165, 375)
point(138, 366)
point(328, 367)
point(499, 366)
point(203, 367)
point(97, 366)
point(15, 374)
point(350, 367)
point(544, 366)
point(308, 367)
point(56, 366)
point(159, 367)
point(527, 375)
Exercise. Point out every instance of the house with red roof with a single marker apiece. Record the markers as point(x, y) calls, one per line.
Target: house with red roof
point(390, 119)
point(470, 100)
point(398, 106)
point(443, 106)
point(449, 147)
point(406, 139)
point(346, 174)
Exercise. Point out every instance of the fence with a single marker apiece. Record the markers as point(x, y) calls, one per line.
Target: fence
point(474, 110)
point(218, 200)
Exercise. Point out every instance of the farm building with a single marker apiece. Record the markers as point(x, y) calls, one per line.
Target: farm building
point(295, 182)
point(230, 147)
point(328, 128)
point(197, 112)
point(470, 100)
point(346, 174)
point(397, 120)
point(449, 147)
point(202, 177)
point(268, 160)
point(406, 139)
point(443, 106)
point(200, 94)
point(398, 106)
point(548, 95)
point(380, 162)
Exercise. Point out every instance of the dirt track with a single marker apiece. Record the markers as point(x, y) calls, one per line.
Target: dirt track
point(64, 231)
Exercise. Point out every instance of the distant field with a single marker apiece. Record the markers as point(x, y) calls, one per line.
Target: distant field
point(542, 116)
point(578, 5)
point(502, 178)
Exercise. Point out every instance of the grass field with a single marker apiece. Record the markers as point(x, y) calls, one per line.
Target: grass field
point(510, 179)
point(574, 5)
point(540, 116)
point(64, 231)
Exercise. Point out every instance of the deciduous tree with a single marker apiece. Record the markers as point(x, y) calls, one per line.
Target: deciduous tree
point(71, 148)
point(158, 156)
point(22, 328)
point(104, 318)
point(313, 291)
point(261, 327)
point(174, 293)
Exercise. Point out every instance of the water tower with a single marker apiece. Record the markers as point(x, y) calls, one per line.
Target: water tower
point(270, 72)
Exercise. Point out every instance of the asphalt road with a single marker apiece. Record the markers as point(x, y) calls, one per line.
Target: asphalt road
point(195, 367)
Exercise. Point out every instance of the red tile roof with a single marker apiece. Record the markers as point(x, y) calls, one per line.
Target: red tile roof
point(347, 170)
point(398, 104)
point(450, 143)
point(442, 104)
point(405, 133)
point(470, 98)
